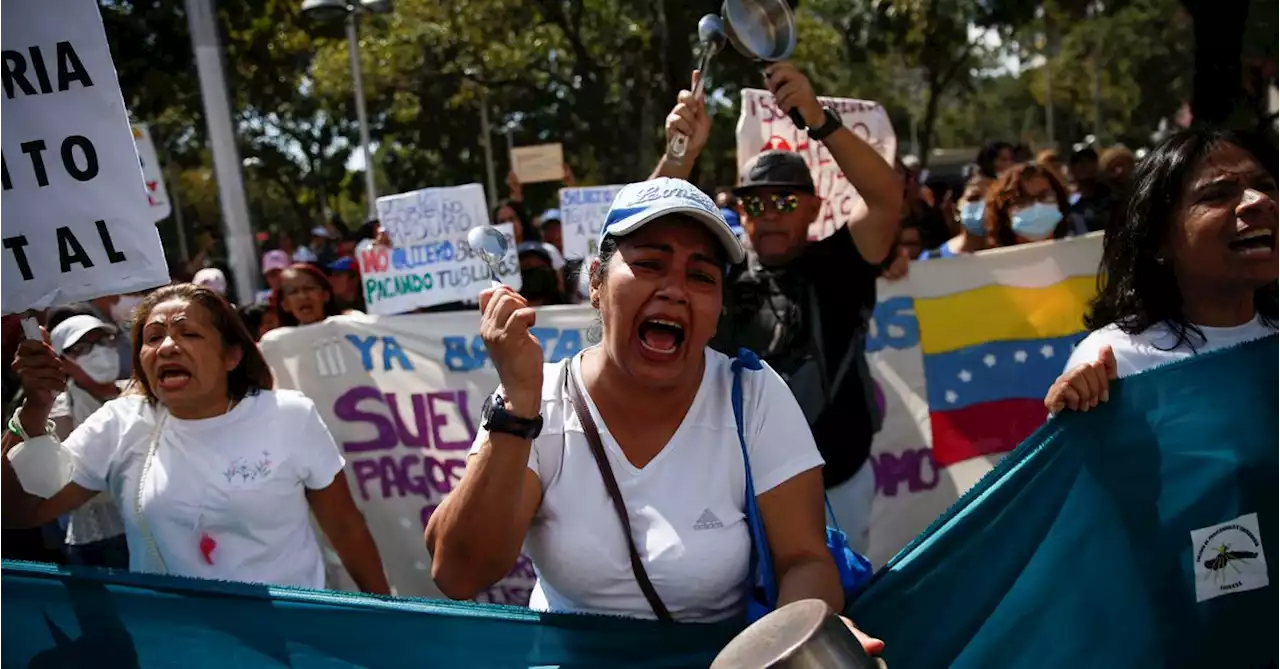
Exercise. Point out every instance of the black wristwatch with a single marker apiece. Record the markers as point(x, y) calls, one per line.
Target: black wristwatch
point(494, 417)
point(831, 125)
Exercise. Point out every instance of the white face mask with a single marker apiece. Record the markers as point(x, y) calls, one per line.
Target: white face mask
point(122, 310)
point(101, 363)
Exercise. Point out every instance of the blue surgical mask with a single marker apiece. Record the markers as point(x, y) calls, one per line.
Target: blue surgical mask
point(971, 217)
point(1036, 222)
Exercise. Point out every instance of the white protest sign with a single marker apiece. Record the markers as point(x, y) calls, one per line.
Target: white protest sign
point(582, 214)
point(541, 162)
point(76, 219)
point(430, 262)
point(762, 126)
point(152, 174)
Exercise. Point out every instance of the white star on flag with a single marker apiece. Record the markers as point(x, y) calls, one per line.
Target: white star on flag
point(952, 397)
point(1020, 356)
point(965, 375)
point(989, 360)
point(1046, 351)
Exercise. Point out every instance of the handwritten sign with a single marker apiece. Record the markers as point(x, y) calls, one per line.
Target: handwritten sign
point(76, 220)
point(541, 162)
point(152, 173)
point(762, 126)
point(430, 261)
point(582, 215)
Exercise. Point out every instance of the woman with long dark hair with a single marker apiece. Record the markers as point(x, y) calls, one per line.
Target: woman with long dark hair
point(215, 474)
point(1190, 268)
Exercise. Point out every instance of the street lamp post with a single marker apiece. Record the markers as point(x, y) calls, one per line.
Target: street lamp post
point(329, 10)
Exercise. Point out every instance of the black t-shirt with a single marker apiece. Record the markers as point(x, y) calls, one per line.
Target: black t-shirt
point(770, 312)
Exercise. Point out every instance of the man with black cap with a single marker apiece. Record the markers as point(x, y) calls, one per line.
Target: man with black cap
point(804, 306)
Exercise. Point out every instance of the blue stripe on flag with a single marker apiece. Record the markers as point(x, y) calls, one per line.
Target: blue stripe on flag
point(992, 371)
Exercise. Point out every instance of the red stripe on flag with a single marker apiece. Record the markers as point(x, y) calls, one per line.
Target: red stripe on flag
point(983, 429)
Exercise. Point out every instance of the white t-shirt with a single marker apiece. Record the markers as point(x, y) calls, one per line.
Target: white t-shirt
point(686, 506)
point(239, 478)
point(1155, 346)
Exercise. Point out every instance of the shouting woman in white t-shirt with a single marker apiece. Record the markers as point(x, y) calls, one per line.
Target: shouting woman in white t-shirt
point(215, 474)
point(660, 401)
point(1190, 268)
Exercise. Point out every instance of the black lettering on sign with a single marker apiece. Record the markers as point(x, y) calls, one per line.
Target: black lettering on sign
point(16, 244)
point(15, 73)
point(69, 67)
point(4, 173)
point(70, 70)
point(69, 159)
point(35, 149)
point(70, 250)
point(113, 256)
point(37, 65)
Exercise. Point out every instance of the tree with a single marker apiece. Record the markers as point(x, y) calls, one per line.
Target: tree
point(928, 41)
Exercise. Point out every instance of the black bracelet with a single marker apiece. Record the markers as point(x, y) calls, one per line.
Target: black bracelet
point(828, 127)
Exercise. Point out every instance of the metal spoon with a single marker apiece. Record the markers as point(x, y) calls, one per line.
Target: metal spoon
point(711, 35)
point(491, 246)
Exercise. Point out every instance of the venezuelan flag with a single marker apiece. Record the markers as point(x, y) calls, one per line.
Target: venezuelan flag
point(996, 329)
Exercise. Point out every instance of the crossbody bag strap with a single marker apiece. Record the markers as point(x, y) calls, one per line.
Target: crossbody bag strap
point(611, 484)
point(143, 527)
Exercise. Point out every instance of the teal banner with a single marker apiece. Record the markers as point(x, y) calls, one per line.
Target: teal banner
point(1139, 534)
point(55, 617)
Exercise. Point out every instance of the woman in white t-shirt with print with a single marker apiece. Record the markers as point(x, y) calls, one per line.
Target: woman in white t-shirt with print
point(215, 474)
point(661, 402)
point(1191, 267)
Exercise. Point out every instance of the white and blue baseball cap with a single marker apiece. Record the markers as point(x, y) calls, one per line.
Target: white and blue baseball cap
point(640, 203)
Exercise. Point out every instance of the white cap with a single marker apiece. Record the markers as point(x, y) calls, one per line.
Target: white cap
point(211, 278)
point(639, 203)
point(70, 331)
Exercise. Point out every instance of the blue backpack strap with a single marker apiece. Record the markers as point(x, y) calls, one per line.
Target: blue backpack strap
point(762, 573)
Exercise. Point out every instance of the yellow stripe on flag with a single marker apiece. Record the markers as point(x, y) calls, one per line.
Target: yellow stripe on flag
point(1003, 313)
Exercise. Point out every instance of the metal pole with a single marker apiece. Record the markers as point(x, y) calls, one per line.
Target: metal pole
point(177, 219)
point(486, 141)
point(241, 253)
point(357, 80)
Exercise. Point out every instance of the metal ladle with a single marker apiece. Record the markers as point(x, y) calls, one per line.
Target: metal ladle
point(491, 246)
point(711, 35)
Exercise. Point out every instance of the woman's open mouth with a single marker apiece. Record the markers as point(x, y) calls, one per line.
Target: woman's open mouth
point(1254, 243)
point(661, 337)
point(171, 376)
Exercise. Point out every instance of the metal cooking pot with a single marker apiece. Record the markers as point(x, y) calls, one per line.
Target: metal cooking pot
point(760, 29)
point(801, 635)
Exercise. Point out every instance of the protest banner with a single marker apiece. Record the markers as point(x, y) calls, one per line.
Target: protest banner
point(962, 352)
point(582, 214)
point(430, 261)
point(541, 162)
point(762, 126)
point(76, 219)
point(1141, 533)
point(152, 173)
point(402, 395)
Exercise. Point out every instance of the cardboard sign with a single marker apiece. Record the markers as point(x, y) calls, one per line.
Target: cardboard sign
point(152, 173)
point(542, 162)
point(762, 126)
point(582, 214)
point(430, 261)
point(76, 220)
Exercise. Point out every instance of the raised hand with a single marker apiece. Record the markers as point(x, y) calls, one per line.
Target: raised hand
point(689, 118)
point(792, 90)
point(40, 371)
point(504, 326)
